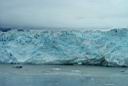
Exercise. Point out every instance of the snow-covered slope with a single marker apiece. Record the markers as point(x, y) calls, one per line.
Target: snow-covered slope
point(65, 47)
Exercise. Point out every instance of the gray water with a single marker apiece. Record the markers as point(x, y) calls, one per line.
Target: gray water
point(58, 75)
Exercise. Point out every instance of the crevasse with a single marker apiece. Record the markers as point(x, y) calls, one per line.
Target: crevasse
point(109, 48)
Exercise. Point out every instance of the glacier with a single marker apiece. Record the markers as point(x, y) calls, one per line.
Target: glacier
point(107, 48)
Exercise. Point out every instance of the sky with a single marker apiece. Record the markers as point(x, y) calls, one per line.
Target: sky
point(64, 13)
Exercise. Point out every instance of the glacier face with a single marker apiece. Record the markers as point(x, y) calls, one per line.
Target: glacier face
point(109, 48)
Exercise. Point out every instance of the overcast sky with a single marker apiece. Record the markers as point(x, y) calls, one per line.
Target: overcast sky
point(65, 13)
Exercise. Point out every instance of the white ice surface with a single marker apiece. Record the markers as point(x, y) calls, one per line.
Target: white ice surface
point(65, 47)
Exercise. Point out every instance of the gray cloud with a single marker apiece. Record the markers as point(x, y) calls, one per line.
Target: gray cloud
point(65, 13)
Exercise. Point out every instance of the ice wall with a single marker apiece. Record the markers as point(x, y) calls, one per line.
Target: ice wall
point(109, 48)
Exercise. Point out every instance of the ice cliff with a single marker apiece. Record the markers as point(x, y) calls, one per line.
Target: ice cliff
point(109, 48)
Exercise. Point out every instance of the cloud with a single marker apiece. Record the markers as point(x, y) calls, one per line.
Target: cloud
point(65, 13)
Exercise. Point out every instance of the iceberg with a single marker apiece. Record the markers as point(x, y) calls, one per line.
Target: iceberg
point(107, 48)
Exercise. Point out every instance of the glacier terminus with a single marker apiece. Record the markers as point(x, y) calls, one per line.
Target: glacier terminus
point(107, 48)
